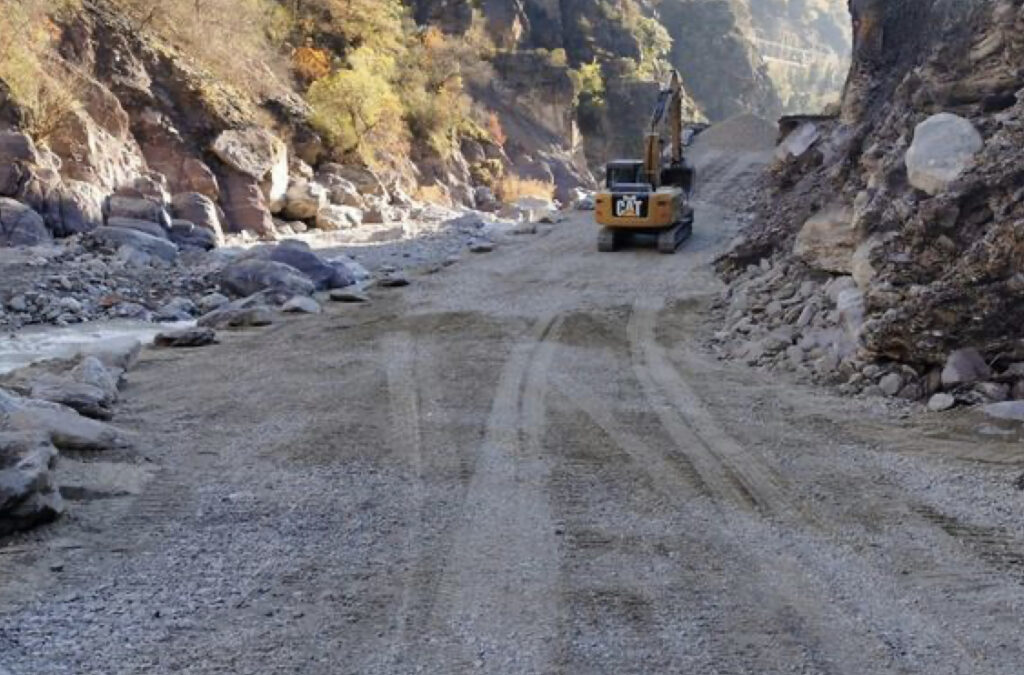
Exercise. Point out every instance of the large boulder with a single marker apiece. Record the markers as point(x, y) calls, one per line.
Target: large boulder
point(258, 154)
point(341, 191)
point(17, 147)
point(28, 492)
point(20, 225)
point(326, 275)
point(366, 181)
point(198, 177)
point(250, 276)
point(1012, 411)
point(251, 312)
point(186, 234)
point(944, 147)
point(246, 207)
point(333, 218)
point(64, 427)
point(827, 240)
point(187, 338)
point(92, 154)
point(136, 208)
point(85, 399)
point(145, 226)
point(76, 208)
point(799, 141)
point(304, 200)
point(116, 237)
point(91, 371)
point(199, 210)
point(965, 366)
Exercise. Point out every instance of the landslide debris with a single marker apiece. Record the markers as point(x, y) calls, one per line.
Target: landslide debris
point(887, 239)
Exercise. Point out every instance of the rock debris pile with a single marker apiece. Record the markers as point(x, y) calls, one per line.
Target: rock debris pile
point(885, 254)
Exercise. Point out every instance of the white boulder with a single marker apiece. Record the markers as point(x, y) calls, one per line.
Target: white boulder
point(943, 148)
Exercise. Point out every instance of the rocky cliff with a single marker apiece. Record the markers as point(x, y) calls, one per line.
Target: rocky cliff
point(759, 56)
point(906, 210)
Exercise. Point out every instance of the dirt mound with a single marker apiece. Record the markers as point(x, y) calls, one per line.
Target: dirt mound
point(744, 133)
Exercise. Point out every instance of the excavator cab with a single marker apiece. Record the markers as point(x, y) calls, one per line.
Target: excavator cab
point(625, 174)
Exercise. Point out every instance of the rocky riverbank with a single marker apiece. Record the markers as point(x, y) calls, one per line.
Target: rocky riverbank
point(66, 405)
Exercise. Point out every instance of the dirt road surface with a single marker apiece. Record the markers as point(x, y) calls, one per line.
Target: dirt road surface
point(522, 464)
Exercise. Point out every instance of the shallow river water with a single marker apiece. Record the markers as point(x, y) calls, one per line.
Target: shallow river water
point(47, 342)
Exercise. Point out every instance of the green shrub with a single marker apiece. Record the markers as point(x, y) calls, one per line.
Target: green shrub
point(358, 110)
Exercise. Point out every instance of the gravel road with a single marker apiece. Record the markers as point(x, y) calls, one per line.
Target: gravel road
point(524, 463)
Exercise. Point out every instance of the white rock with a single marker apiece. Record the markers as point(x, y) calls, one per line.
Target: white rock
point(799, 141)
point(332, 218)
point(304, 200)
point(943, 148)
point(850, 304)
point(891, 384)
point(1006, 410)
point(965, 366)
point(941, 402)
point(301, 304)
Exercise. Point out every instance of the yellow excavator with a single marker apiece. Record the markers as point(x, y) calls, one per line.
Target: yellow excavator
point(650, 196)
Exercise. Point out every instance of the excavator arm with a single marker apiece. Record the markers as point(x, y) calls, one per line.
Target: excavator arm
point(667, 112)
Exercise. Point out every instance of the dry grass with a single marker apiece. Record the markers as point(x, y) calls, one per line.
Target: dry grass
point(433, 194)
point(37, 81)
point(239, 41)
point(513, 188)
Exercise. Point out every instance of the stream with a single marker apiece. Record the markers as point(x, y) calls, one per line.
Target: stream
point(39, 343)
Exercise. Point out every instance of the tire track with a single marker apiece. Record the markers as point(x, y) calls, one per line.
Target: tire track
point(498, 608)
point(399, 358)
point(729, 473)
point(715, 454)
point(675, 477)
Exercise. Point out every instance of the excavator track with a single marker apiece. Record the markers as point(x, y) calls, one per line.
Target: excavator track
point(670, 240)
point(607, 240)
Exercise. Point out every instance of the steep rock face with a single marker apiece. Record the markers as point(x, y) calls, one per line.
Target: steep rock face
point(806, 46)
point(939, 271)
point(713, 49)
